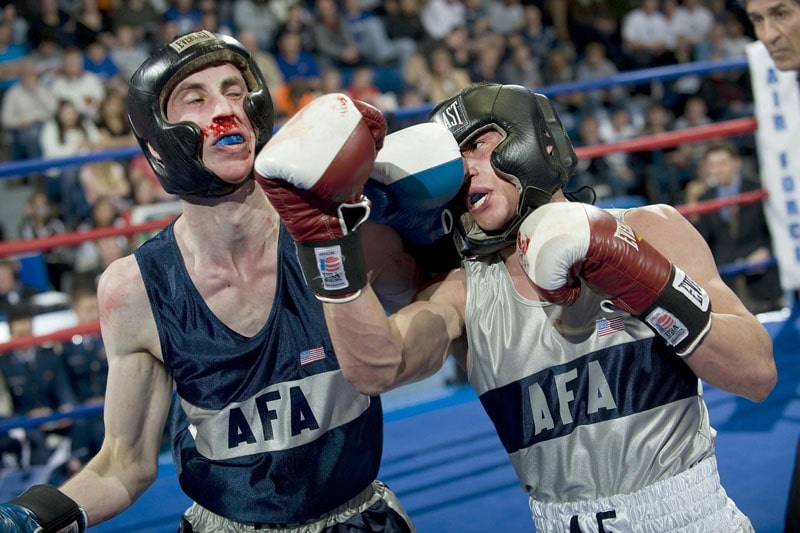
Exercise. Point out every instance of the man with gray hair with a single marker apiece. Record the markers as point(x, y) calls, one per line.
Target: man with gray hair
point(777, 25)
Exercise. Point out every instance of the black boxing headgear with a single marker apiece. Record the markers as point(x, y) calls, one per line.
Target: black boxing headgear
point(536, 155)
point(180, 168)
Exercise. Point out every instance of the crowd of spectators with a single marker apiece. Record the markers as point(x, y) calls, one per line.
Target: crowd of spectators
point(64, 66)
point(395, 54)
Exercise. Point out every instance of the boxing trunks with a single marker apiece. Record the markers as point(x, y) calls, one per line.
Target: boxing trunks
point(374, 509)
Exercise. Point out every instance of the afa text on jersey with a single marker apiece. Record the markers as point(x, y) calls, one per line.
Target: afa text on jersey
point(279, 417)
point(611, 383)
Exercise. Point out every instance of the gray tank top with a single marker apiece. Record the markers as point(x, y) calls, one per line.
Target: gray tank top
point(608, 411)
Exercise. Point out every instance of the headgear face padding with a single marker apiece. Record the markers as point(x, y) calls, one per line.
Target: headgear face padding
point(180, 168)
point(535, 154)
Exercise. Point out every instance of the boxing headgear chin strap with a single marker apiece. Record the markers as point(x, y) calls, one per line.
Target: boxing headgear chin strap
point(180, 168)
point(535, 155)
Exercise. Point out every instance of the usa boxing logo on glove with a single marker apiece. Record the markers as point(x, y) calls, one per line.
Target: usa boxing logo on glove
point(417, 174)
point(313, 172)
point(563, 242)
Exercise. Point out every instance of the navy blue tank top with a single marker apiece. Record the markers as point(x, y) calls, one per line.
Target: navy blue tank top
point(264, 429)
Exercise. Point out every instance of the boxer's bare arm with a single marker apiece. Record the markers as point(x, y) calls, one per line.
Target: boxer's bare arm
point(736, 354)
point(137, 399)
point(378, 353)
point(391, 271)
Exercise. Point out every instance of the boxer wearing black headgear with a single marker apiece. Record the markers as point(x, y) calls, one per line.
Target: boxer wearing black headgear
point(183, 171)
point(538, 165)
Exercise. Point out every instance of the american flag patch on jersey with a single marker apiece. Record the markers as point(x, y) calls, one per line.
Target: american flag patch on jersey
point(607, 326)
point(314, 354)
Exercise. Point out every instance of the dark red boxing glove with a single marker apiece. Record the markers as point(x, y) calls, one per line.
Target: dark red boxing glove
point(563, 242)
point(313, 172)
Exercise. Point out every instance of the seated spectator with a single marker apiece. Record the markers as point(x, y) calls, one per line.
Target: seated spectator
point(334, 44)
point(403, 20)
point(660, 180)
point(596, 65)
point(416, 76)
point(645, 36)
point(299, 20)
point(696, 20)
point(11, 56)
point(294, 62)
point(50, 22)
point(40, 219)
point(146, 187)
point(150, 200)
point(373, 43)
point(128, 49)
point(18, 22)
point(619, 127)
point(92, 257)
point(736, 39)
point(463, 50)
point(256, 16)
point(686, 157)
point(728, 94)
point(440, 16)
point(106, 179)
point(97, 59)
point(559, 69)
point(291, 96)
point(139, 15)
point(113, 128)
point(506, 16)
point(695, 188)
point(446, 80)
point(47, 56)
point(92, 24)
point(39, 386)
point(85, 360)
point(594, 172)
point(12, 291)
point(579, 22)
point(184, 14)
point(26, 106)
point(520, 67)
point(539, 37)
point(74, 83)
point(362, 86)
point(68, 133)
point(486, 66)
point(209, 20)
point(332, 80)
point(739, 233)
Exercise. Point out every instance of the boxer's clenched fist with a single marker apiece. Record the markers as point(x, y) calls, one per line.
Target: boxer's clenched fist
point(561, 243)
point(313, 172)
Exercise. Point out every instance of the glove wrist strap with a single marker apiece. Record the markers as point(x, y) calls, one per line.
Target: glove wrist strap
point(681, 315)
point(55, 511)
point(334, 269)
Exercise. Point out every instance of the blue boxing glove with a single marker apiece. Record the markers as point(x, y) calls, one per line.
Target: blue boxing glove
point(416, 175)
point(42, 509)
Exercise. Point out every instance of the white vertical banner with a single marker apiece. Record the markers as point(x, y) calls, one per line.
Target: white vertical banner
point(776, 97)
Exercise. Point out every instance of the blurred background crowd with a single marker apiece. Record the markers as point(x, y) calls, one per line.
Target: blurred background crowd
point(64, 66)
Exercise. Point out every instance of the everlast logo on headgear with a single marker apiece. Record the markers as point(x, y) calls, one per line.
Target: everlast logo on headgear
point(454, 114)
point(182, 43)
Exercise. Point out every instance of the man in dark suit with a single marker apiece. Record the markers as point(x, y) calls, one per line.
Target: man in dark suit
point(739, 233)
